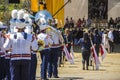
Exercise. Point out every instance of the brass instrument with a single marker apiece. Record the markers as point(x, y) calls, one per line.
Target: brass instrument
point(42, 19)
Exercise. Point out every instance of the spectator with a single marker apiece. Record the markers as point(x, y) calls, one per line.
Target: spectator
point(71, 23)
point(110, 22)
point(66, 23)
point(111, 40)
point(79, 22)
point(88, 22)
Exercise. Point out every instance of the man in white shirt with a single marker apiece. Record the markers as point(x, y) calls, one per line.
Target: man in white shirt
point(111, 39)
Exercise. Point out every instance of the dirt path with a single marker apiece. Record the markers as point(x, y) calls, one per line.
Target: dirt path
point(109, 69)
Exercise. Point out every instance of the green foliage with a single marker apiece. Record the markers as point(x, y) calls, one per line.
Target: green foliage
point(1, 8)
point(6, 8)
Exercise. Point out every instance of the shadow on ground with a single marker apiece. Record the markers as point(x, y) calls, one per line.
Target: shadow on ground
point(67, 78)
point(63, 78)
point(116, 48)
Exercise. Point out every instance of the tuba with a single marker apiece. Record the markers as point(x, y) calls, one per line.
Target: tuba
point(43, 19)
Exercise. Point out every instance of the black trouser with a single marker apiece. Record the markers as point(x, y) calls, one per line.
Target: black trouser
point(44, 57)
point(2, 68)
point(111, 46)
point(20, 69)
point(60, 56)
point(52, 63)
point(69, 47)
point(33, 67)
point(85, 58)
point(7, 66)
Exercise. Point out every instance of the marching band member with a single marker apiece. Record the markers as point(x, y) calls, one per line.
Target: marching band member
point(29, 30)
point(44, 40)
point(53, 57)
point(2, 52)
point(21, 45)
point(42, 19)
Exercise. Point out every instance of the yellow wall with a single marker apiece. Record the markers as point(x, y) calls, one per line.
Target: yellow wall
point(34, 5)
point(53, 6)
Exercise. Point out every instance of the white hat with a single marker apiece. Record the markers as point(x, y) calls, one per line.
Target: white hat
point(20, 23)
point(20, 14)
point(14, 17)
point(14, 13)
point(26, 17)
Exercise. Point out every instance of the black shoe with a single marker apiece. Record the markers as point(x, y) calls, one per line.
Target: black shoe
point(59, 65)
point(44, 79)
point(83, 68)
point(56, 77)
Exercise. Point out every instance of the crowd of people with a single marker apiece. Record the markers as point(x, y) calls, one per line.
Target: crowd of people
point(80, 23)
point(114, 23)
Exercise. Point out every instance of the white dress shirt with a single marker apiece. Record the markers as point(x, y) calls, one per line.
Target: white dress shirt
point(21, 46)
point(110, 36)
point(46, 38)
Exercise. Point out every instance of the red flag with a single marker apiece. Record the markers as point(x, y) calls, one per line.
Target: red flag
point(68, 56)
point(96, 58)
point(103, 51)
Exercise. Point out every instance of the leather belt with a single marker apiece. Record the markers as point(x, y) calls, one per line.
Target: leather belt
point(20, 55)
point(46, 46)
point(2, 53)
point(55, 44)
